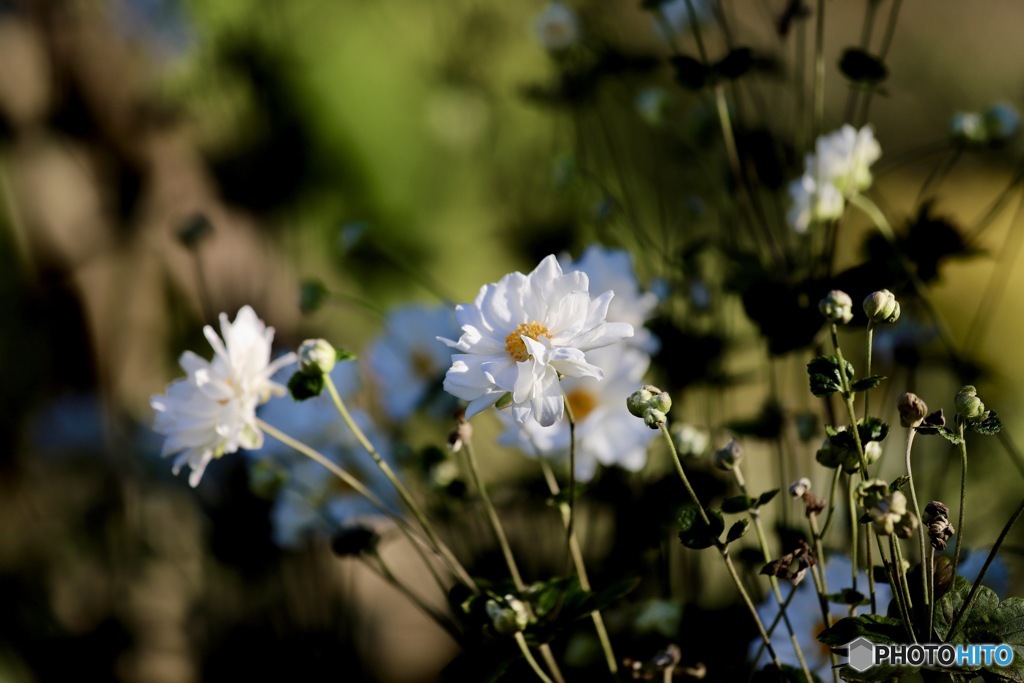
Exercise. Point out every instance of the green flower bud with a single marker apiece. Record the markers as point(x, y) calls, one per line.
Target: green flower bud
point(912, 409)
point(837, 307)
point(872, 452)
point(509, 618)
point(316, 357)
point(728, 457)
point(968, 406)
point(651, 404)
point(881, 307)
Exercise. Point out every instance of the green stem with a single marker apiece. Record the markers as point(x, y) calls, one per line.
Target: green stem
point(963, 496)
point(854, 546)
point(723, 550)
point(456, 567)
point(819, 68)
point(920, 526)
point(581, 571)
point(382, 570)
point(831, 500)
point(867, 373)
point(897, 588)
point(525, 649)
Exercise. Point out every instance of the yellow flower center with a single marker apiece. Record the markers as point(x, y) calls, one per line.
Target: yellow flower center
point(514, 343)
point(582, 403)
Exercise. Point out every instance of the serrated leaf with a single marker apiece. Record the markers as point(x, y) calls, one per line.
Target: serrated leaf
point(737, 530)
point(766, 497)
point(867, 383)
point(861, 67)
point(823, 373)
point(302, 386)
point(740, 503)
point(989, 426)
point(949, 435)
point(694, 533)
point(874, 627)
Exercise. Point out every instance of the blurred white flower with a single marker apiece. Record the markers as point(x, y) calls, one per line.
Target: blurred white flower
point(804, 613)
point(968, 127)
point(212, 411)
point(606, 432)
point(557, 27)
point(407, 361)
point(522, 333)
point(839, 168)
point(612, 269)
point(309, 499)
point(1002, 122)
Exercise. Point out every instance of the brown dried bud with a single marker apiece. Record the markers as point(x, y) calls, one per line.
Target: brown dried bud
point(792, 566)
point(912, 409)
point(814, 505)
point(936, 518)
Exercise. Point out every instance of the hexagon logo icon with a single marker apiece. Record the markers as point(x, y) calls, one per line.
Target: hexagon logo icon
point(862, 654)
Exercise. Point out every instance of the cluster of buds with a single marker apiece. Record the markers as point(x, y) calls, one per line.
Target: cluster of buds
point(881, 307)
point(802, 489)
point(837, 307)
point(727, 457)
point(792, 566)
point(891, 517)
point(912, 409)
point(508, 616)
point(651, 404)
point(936, 518)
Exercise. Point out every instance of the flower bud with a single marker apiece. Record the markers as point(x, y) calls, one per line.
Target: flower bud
point(837, 307)
point(870, 492)
point(872, 452)
point(968, 128)
point(798, 488)
point(316, 357)
point(881, 307)
point(912, 409)
point(936, 518)
point(508, 618)
point(812, 504)
point(968, 406)
point(651, 404)
point(1002, 122)
point(728, 457)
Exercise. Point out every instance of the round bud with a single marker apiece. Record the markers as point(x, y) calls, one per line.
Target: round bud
point(872, 452)
point(650, 404)
point(316, 357)
point(728, 457)
point(912, 409)
point(837, 307)
point(968, 406)
point(800, 487)
point(881, 307)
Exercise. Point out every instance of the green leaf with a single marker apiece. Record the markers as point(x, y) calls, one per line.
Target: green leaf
point(949, 435)
point(739, 503)
point(867, 383)
point(823, 373)
point(989, 426)
point(735, 64)
point(737, 530)
point(849, 596)
point(766, 497)
point(342, 355)
point(691, 73)
point(899, 483)
point(861, 67)
point(872, 429)
point(302, 386)
point(312, 295)
point(694, 533)
point(874, 627)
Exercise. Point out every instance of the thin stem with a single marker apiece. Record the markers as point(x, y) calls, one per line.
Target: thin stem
point(525, 649)
point(963, 496)
point(930, 575)
point(897, 587)
point(382, 570)
point(456, 567)
point(981, 575)
point(867, 362)
point(721, 547)
point(917, 511)
point(819, 68)
point(831, 500)
point(570, 527)
point(854, 546)
point(581, 571)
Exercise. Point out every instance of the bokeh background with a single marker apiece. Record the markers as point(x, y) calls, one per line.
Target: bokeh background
point(163, 160)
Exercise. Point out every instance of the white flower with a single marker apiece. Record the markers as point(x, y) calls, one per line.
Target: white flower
point(212, 411)
point(839, 168)
point(407, 361)
point(804, 613)
point(606, 432)
point(524, 331)
point(612, 269)
point(968, 127)
point(311, 500)
point(557, 27)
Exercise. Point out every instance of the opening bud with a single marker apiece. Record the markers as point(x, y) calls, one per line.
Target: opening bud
point(316, 357)
point(968, 406)
point(837, 307)
point(651, 404)
point(881, 307)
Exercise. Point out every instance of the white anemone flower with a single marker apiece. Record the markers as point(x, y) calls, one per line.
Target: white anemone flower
point(613, 269)
point(406, 361)
point(212, 411)
point(813, 202)
point(844, 158)
point(524, 332)
point(805, 615)
point(606, 432)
